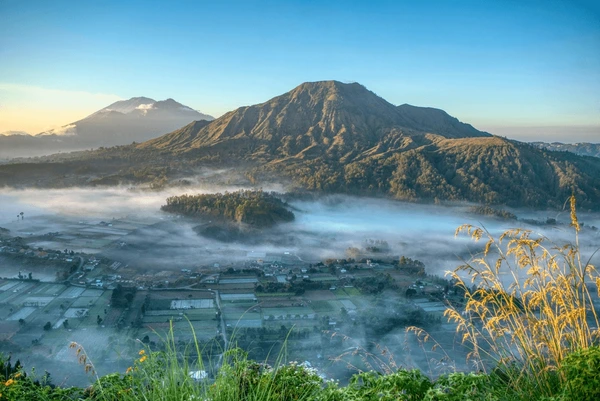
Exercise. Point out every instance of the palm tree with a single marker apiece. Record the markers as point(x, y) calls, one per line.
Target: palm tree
point(22, 217)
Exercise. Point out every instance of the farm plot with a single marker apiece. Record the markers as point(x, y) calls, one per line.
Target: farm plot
point(72, 292)
point(92, 292)
point(75, 313)
point(8, 285)
point(326, 306)
point(289, 313)
point(275, 294)
point(174, 317)
point(48, 290)
point(345, 292)
point(22, 313)
point(84, 302)
point(246, 323)
point(202, 330)
point(200, 314)
point(10, 297)
point(192, 304)
point(319, 295)
point(238, 297)
point(37, 301)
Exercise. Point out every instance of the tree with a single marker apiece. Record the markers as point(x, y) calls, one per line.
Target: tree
point(21, 321)
point(48, 326)
point(66, 324)
point(22, 216)
point(99, 320)
point(411, 292)
point(129, 297)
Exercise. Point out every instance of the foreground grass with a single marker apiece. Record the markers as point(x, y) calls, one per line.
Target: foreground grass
point(154, 376)
point(533, 338)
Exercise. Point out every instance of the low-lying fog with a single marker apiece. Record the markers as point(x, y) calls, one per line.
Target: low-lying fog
point(127, 225)
point(323, 228)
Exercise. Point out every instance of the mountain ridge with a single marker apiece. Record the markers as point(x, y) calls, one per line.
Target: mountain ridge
point(332, 137)
point(579, 148)
point(322, 114)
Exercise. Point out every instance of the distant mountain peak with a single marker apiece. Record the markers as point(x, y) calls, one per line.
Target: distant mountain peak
point(137, 119)
point(126, 106)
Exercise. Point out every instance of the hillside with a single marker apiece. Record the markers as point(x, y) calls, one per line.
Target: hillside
point(334, 137)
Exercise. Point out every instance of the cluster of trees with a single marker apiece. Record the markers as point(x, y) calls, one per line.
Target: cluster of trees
point(375, 284)
point(490, 211)
point(380, 321)
point(376, 246)
point(413, 266)
point(254, 207)
point(122, 296)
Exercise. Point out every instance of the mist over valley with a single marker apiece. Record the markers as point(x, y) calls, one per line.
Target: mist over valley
point(339, 245)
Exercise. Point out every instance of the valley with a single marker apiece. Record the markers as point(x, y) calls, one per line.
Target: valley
point(110, 278)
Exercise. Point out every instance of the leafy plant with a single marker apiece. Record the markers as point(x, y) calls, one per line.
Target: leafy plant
point(462, 387)
point(582, 374)
point(403, 385)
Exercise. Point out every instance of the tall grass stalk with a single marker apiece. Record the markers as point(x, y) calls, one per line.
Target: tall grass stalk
point(168, 376)
point(154, 375)
point(527, 327)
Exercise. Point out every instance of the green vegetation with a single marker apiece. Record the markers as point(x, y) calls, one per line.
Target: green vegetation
point(256, 208)
point(490, 211)
point(167, 376)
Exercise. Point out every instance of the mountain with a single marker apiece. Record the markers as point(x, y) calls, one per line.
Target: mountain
point(327, 118)
point(582, 149)
point(340, 138)
point(135, 120)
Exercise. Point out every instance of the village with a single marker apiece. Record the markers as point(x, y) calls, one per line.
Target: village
point(50, 297)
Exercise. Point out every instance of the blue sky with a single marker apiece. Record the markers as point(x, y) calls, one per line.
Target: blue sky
point(505, 66)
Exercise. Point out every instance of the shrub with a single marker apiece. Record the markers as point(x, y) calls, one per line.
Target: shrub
point(403, 385)
point(582, 375)
point(462, 387)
